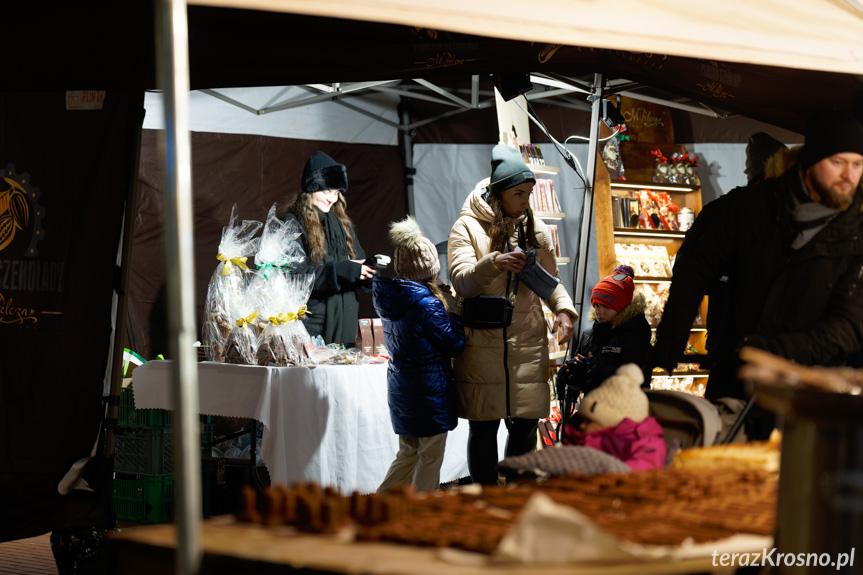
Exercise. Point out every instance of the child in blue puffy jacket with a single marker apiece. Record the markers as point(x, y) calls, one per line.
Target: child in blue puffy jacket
point(422, 338)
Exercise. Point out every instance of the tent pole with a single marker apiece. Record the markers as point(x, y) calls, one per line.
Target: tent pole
point(172, 47)
point(587, 207)
point(409, 162)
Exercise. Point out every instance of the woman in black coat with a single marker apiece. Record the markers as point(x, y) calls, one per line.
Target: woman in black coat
point(333, 251)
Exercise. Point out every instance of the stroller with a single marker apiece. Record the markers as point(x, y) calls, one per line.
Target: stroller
point(687, 420)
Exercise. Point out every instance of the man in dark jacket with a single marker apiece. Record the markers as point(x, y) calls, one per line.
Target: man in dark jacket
point(762, 161)
point(791, 248)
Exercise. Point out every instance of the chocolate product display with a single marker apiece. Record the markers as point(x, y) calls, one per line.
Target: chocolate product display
point(255, 316)
point(655, 507)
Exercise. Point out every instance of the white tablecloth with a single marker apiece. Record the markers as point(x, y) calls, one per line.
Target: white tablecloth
point(329, 424)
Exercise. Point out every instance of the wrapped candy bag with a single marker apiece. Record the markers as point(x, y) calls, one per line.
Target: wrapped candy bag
point(661, 171)
point(613, 161)
point(280, 343)
point(658, 212)
point(242, 343)
point(678, 168)
point(648, 217)
point(692, 177)
point(269, 289)
point(667, 210)
point(283, 339)
point(297, 340)
point(655, 295)
point(226, 289)
point(280, 246)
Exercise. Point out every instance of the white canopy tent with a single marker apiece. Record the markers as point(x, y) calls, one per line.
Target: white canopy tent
point(806, 34)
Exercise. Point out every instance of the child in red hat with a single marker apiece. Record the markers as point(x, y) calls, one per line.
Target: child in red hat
point(620, 333)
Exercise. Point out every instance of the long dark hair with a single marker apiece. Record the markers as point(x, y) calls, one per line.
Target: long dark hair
point(435, 290)
point(302, 207)
point(498, 232)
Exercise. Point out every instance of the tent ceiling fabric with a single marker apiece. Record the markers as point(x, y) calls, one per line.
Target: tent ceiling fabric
point(806, 34)
point(277, 49)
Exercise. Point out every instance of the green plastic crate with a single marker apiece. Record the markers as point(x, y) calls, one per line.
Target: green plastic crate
point(144, 499)
point(150, 499)
point(130, 417)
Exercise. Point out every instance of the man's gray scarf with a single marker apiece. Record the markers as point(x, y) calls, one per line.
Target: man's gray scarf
point(808, 217)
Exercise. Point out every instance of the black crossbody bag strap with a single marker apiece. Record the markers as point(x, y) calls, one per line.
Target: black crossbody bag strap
point(505, 339)
point(506, 362)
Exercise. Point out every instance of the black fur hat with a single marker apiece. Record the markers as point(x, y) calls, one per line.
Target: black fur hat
point(324, 173)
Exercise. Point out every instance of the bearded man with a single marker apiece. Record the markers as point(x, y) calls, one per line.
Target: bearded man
point(792, 250)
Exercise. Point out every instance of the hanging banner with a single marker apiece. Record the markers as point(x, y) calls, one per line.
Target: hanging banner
point(66, 166)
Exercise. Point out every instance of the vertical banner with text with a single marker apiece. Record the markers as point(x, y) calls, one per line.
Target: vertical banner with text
point(66, 170)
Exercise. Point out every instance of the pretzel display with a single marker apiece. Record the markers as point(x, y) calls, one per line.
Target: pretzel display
point(655, 507)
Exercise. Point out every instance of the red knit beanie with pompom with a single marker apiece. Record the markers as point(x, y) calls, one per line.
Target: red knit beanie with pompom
point(615, 291)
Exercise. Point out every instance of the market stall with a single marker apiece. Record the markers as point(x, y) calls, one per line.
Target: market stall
point(118, 61)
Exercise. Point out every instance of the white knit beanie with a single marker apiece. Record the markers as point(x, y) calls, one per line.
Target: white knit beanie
point(415, 258)
point(619, 397)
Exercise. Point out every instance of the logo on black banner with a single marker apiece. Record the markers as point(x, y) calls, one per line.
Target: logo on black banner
point(20, 215)
point(23, 275)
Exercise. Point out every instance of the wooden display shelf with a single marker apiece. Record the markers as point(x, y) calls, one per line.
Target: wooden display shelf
point(541, 169)
point(667, 187)
point(676, 373)
point(642, 232)
point(549, 215)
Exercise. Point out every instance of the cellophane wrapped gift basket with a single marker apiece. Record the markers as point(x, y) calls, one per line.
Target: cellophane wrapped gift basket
point(284, 339)
point(225, 309)
point(280, 296)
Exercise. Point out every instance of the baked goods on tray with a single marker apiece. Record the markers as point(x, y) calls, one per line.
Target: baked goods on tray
point(655, 507)
point(763, 455)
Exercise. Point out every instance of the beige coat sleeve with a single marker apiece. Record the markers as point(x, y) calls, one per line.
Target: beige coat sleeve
point(470, 269)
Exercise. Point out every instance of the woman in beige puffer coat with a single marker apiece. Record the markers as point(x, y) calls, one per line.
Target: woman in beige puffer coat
point(480, 251)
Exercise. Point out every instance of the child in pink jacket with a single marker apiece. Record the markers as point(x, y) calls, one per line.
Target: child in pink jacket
point(614, 418)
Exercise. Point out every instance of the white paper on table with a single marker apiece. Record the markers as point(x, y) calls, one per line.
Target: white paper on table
point(546, 532)
point(552, 533)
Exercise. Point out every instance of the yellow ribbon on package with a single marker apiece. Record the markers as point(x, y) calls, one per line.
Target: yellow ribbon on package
point(239, 262)
point(277, 319)
point(299, 314)
point(246, 320)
